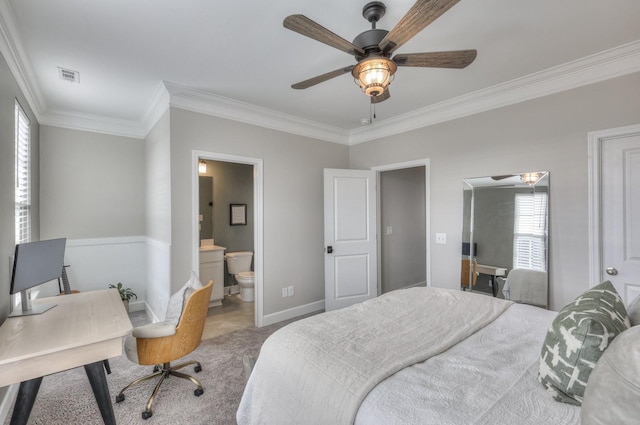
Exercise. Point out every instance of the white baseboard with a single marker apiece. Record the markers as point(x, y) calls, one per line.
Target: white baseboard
point(150, 313)
point(137, 305)
point(291, 313)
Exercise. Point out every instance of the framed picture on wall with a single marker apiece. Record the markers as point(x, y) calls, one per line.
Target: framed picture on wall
point(238, 214)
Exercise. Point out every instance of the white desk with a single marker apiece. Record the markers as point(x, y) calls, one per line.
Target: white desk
point(493, 272)
point(82, 330)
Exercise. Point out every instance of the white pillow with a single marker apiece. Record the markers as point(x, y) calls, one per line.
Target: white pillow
point(613, 390)
point(179, 299)
point(634, 311)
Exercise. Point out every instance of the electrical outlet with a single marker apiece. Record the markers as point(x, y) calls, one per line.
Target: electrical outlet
point(290, 291)
point(284, 292)
point(441, 238)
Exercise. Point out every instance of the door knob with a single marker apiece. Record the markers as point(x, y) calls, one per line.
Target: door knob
point(611, 271)
point(329, 249)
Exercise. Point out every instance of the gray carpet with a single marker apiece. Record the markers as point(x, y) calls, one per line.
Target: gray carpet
point(66, 397)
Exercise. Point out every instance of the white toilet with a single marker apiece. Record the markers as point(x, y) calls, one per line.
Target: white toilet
point(239, 265)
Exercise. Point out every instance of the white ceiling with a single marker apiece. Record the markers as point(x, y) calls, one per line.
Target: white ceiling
point(239, 50)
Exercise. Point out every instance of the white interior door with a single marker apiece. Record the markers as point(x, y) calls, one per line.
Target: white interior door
point(620, 209)
point(350, 237)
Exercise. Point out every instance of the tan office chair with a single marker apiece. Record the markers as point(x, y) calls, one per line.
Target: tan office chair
point(464, 274)
point(161, 343)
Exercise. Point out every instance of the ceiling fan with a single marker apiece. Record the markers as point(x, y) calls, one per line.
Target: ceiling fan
point(375, 69)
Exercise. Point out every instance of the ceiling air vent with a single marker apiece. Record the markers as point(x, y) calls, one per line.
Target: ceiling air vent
point(69, 75)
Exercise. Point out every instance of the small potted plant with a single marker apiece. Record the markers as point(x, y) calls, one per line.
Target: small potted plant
point(125, 294)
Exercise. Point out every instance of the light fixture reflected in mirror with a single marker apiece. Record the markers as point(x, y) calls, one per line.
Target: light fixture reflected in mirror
point(530, 178)
point(202, 167)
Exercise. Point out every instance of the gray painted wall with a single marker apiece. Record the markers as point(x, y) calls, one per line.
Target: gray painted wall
point(402, 206)
point(549, 133)
point(157, 181)
point(293, 200)
point(232, 184)
point(92, 184)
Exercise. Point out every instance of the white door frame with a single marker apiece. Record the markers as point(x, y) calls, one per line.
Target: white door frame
point(258, 229)
point(426, 163)
point(596, 139)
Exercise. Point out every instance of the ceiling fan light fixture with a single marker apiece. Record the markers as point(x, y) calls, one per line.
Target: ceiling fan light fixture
point(374, 74)
point(530, 178)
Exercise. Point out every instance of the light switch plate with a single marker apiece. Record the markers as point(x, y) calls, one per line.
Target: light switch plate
point(441, 238)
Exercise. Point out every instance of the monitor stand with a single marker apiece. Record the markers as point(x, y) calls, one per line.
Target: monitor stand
point(27, 308)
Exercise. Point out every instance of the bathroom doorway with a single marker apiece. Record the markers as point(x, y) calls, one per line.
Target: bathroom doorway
point(229, 220)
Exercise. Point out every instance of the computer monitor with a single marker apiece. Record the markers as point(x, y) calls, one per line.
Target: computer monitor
point(35, 263)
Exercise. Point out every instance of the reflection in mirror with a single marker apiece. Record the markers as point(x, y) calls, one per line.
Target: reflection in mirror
point(505, 236)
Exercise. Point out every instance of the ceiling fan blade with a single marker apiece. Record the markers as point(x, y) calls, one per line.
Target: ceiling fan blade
point(452, 59)
point(421, 14)
point(322, 78)
point(305, 26)
point(381, 98)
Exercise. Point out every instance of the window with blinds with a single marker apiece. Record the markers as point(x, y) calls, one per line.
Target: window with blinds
point(22, 177)
point(529, 233)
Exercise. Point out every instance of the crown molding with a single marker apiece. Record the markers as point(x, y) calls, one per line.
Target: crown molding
point(93, 123)
point(158, 105)
point(14, 55)
point(602, 66)
point(204, 102)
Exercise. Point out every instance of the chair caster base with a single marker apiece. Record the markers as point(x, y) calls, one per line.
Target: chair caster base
point(198, 392)
point(119, 398)
point(147, 414)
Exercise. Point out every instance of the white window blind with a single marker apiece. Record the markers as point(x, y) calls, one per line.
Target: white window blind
point(22, 177)
point(529, 233)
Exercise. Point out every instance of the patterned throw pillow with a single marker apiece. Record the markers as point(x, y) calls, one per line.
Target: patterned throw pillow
point(577, 338)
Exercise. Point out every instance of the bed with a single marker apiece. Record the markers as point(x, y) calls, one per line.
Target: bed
point(413, 356)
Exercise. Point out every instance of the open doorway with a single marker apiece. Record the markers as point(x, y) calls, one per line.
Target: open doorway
point(228, 220)
point(403, 225)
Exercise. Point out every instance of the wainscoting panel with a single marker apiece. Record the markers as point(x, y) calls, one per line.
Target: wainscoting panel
point(158, 264)
point(96, 263)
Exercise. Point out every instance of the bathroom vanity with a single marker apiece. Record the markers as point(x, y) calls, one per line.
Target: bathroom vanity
point(212, 268)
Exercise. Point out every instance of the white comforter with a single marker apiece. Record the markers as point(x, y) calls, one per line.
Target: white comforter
point(318, 370)
point(489, 378)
